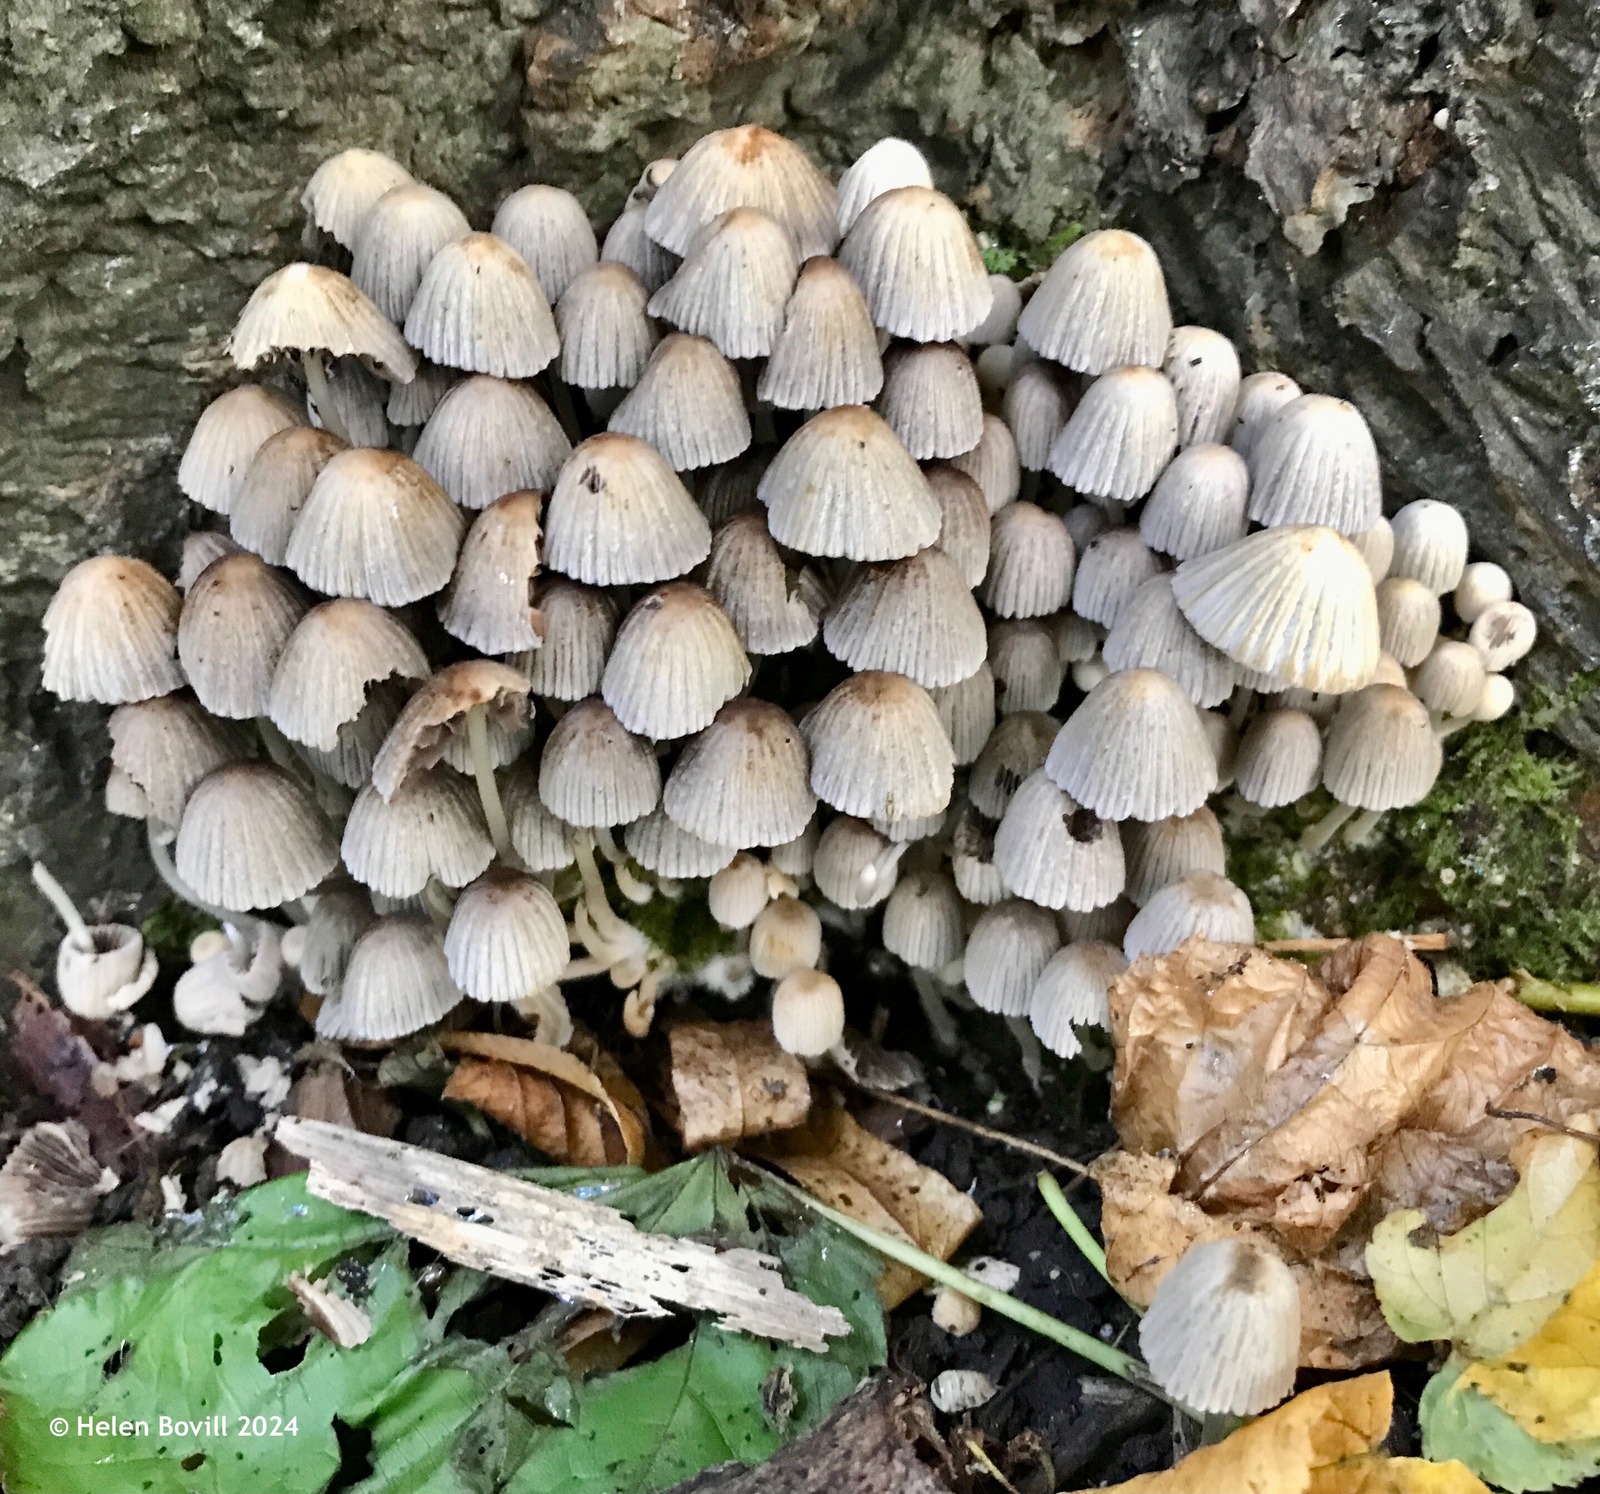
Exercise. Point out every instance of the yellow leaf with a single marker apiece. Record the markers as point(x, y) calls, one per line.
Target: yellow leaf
point(1491, 1285)
point(1374, 1473)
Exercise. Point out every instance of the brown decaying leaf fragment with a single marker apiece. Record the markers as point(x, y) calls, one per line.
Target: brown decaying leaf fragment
point(730, 1080)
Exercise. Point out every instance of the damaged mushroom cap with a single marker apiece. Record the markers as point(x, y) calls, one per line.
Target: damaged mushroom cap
point(772, 607)
point(1037, 405)
point(1261, 396)
point(50, 1184)
point(225, 440)
point(972, 857)
point(166, 745)
point(733, 284)
point(274, 487)
point(548, 227)
point(595, 772)
point(807, 1013)
point(1503, 633)
point(1315, 462)
point(1430, 544)
point(397, 241)
point(1162, 852)
point(224, 993)
point(745, 780)
point(1150, 632)
point(487, 604)
point(1408, 619)
point(675, 661)
point(879, 750)
point(738, 893)
point(1007, 950)
point(339, 917)
point(310, 309)
point(606, 336)
point(542, 842)
point(1280, 758)
point(102, 969)
point(342, 190)
point(827, 351)
point(579, 624)
point(111, 633)
point(1203, 367)
point(993, 464)
point(964, 521)
point(619, 515)
point(488, 437)
point(1071, 992)
point(922, 920)
point(1198, 503)
point(480, 308)
point(1450, 679)
point(966, 711)
point(1032, 562)
point(914, 617)
point(252, 837)
point(431, 826)
point(439, 709)
point(1134, 749)
point(507, 938)
point(396, 982)
point(786, 937)
point(1052, 851)
point(661, 846)
point(1206, 904)
point(687, 404)
point(1102, 303)
point(930, 399)
point(1016, 749)
point(1121, 435)
point(855, 866)
point(237, 618)
point(880, 168)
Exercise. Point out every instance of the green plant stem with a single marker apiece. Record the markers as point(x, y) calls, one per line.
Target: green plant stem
point(1067, 1217)
point(1579, 998)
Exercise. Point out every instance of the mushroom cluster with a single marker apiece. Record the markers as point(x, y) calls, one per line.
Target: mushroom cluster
point(769, 551)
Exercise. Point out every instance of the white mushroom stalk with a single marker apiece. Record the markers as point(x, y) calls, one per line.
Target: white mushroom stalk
point(483, 774)
point(66, 910)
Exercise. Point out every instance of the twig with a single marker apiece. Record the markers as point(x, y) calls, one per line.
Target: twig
point(1033, 1149)
point(1542, 1120)
point(1580, 998)
point(984, 1461)
point(1420, 942)
point(1067, 1217)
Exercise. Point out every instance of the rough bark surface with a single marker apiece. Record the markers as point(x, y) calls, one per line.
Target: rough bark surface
point(1395, 201)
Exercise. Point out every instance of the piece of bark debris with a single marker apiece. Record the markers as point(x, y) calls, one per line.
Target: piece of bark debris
point(731, 1080)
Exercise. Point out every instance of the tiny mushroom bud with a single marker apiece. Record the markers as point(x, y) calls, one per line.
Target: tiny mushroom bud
point(807, 1013)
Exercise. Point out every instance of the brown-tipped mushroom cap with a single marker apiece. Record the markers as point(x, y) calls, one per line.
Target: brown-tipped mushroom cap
point(734, 284)
point(1382, 751)
point(595, 772)
point(342, 190)
point(745, 780)
point(480, 308)
point(549, 229)
point(827, 352)
point(1165, 851)
point(396, 242)
point(507, 938)
point(235, 622)
point(488, 437)
point(439, 709)
point(606, 337)
point(396, 983)
point(225, 440)
point(1203, 904)
point(310, 309)
point(676, 659)
point(878, 749)
point(111, 633)
point(166, 745)
point(1103, 303)
point(930, 399)
point(487, 605)
point(687, 404)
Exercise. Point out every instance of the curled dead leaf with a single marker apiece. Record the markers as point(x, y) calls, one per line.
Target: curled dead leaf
point(730, 1080)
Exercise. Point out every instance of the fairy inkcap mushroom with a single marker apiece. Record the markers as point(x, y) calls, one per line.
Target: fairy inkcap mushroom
point(1261, 396)
point(579, 624)
point(687, 404)
point(1150, 632)
point(1204, 369)
point(1381, 753)
point(550, 230)
point(200, 548)
point(339, 917)
point(1203, 903)
point(1037, 404)
point(397, 240)
point(880, 168)
point(1032, 562)
point(594, 772)
point(999, 327)
point(786, 937)
point(675, 661)
point(772, 607)
point(667, 849)
point(487, 604)
point(1162, 852)
point(101, 969)
point(1026, 665)
point(878, 749)
point(1450, 680)
point(930, 399)
point(411, 404)
point(166, 745)
point(111, 633)
point(542, 842)
point(922, 920)
point(966, 711)
point(736, 895)
point(733, 285)
point(1107, 924)
point(1482, 584)
point(235, 622)
point(1122, 433)
point(1007, 950)
point(488, 437)
point(827, 351)
point(396, 982)
point(1071, 992)
point(1102, 303)
point(1499, 695)
point(807, 1013)
point(1408, 619)
point(993, 463)
point(606, 336)
point(1110, 571)
point(430, 827)
point(51, 1183)
point(914, 617)
point(1280, 758)
point(507, 938)
point(225, 991)
point(1198, 503)
point(964, 521)
point(1054, 852)
point(627, 243)
point(225, 440)
point(1314, 462)
point(1430, 544)
point(275, 485)
point(1503, 633)
point(479, 308)
point(743, 781)
point(1016, 749)
point(855, 866)
point(342, 190)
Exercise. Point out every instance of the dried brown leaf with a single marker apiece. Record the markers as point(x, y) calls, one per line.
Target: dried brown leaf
point(731, 1080)
point(52, 1057)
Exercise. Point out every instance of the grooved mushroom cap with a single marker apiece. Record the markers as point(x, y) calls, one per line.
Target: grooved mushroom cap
point(507, 938)
point(619, 516)
point(1222, 1334)
point(595, 772)
point(999, 327)
point(200, 548)
point(922, 920)
point(480, 308)
point(432, 826)
point(844, 485)
point(1315, 462)
point(579, 624)
point(1450, 679)
point(376, 526)
point(411, 404)
point(1408, 619)
point(745, 780)
point(878, 749)
point(251, 837)
point(855, 866)
point(343, 189)
point(1503, 633)
point(1151, 633)
point(1123, 432)
point(1377, 549)
point(606, 337)
point(1198, 503)
point(549, 229)
point(111, 633)
point(339, 917)
point(51, 1183)
point(310, 309)
point(972, 858)
point(487, 604)
point(1112, 568)
point(675, 661)
point(1135, 749)
point(488, 437)
point(628, 244)
point(1295, 603)
point(1280, 758)
point(1261, 396)
point(993, 464)
point(687, 404)
point(745, 166)
point(396, 242)
point(1203, 904)
point(668, 850)
point(1164, 851)
point(542, 842)
point(966, 711)
point(1037, 405)
point(1009, 946)
point(913, 617)
point(1027, 669)
point(166, 745)
point(1430, 544)
point(336, 652)
point(274, 487)
point(439, 710)
point(396, 983)
point(1381, 752)
point(827, 351)
point(1032, 562)
point(1203, 367)
point(931, 400)
point(964, 522)
point(733, 285)
point(238, 616)
point(1103, 303)
point(225, 440)
point(1072, 992)
point(919, 266)
point(772, 607)
point(1017, 748)
point(880, 168)
point(807, 1013)
point(1052, 851)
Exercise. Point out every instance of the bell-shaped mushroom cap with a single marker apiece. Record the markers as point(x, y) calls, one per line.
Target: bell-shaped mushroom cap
point(844, 485)
point(1151, 633)
point(1280, 758)
point(335, 653)
point(1204, 370)
point(605, 334)
point(432, 826)
point(595, 772)
point(549, 229)
point(827, 351)
point(507, 938)
point(51, 1183)
point(166, 745)
point(344, 187)
point(1112, 568)
point(786, 936)
point(1054, 852)
point(1261, 396)
point(1037, 405)
point(1135, 749)
point(737, 894)
point(1072, 992)
point(111, 633)
point(1032, 562)
point(1198, 503)
point(745, 166)
point(675, 661)
point(1315, 462)
point(1123, 432)
point(972, 857)
point(375, 526)
point(1450, 680)
point(1102, 304)
point(102, 968)
point(397, 240)
point(619, 516)
point(339, 917)
point(880, 168)
point(1381, 752)
point(310, 309)
point(999, 327)
point(807, 1013)
point(667, 849)
point(1482, 584)
point(1016, 749)
point(1222, 1334)
point(1027, 667)
point(1408, 619)
point(1077, 639)
point(225, 440)
point(1203, 904)
point(992, 464)
point(1499, 695)
point(1377, 549)
point(480, 308)
point(542, 842)
point(1430, 544)
point(235, 622)
point(411, 404)
point(1295, 603)
point(579, 624)
point(930, 399)
point(770, 604)
point(488, 437)
point(252, 837)
point(1165, 851)
point(745, 780)
point(964, 526)
point(919, 266)
point(922, 921)
point(1007, 951)
point(879, 750)
point(200, 548)
point(733, 286)
point(855, 866)
point(627, 243)
point(688, 405)
point(439, 710)
point(487, 605)
point(913, 617)
point(397, 982)
point(275, 485)
point(1503, 633)
point(966, 711)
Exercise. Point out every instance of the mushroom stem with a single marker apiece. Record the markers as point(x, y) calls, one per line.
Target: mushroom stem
point(1032, 1050)
point(321, 392)
point(483, 771)
point(566, 411)
point(437, 902)
point(581, 969)
point(1361, 827)
point(606, 923)
point(66, 909)
point(1447, 726)
point(1326, 828)
point(936, 1012)
point(1239, 707)
point(630, 886)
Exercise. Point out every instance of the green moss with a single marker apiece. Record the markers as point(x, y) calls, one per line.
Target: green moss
point(1019, 260)
point(683, 927)
point(171, 929)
